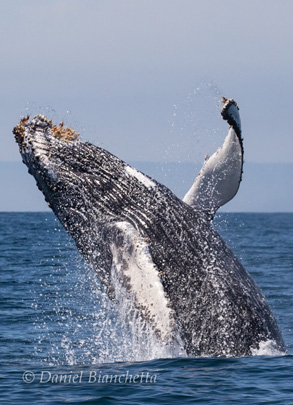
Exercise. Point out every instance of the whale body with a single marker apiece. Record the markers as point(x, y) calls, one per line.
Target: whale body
point(163, 251)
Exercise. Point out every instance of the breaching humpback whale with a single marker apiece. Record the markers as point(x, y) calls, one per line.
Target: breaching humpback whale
point(164, 252)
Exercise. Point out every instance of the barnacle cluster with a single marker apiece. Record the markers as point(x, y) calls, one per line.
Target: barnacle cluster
point(19, 129)
point(63, 133)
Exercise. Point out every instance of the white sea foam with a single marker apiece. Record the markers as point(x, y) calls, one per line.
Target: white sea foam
point(267, 348)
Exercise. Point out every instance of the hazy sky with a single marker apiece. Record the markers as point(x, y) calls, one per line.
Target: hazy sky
point(143, 77)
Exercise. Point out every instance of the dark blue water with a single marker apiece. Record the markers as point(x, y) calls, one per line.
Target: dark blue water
point(58, 326)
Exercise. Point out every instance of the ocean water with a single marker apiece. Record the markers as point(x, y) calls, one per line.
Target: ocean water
point(62, 341)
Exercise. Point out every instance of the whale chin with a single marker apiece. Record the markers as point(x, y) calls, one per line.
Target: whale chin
point(164, 253)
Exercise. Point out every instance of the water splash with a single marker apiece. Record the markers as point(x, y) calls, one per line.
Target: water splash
point(195, 125)
point(196, 129)
point(78, 324)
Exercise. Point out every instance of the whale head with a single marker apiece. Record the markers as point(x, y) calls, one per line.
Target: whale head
point(85, 185)
point(73, 188)
point(47, 150)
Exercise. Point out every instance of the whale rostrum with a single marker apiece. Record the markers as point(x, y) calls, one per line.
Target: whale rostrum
point(164, 252)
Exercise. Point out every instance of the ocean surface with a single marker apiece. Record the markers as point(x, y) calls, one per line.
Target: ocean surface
point(62, 341)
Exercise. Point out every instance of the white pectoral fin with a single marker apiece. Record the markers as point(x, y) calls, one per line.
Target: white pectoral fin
point(219, 179)
point(133, 266)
